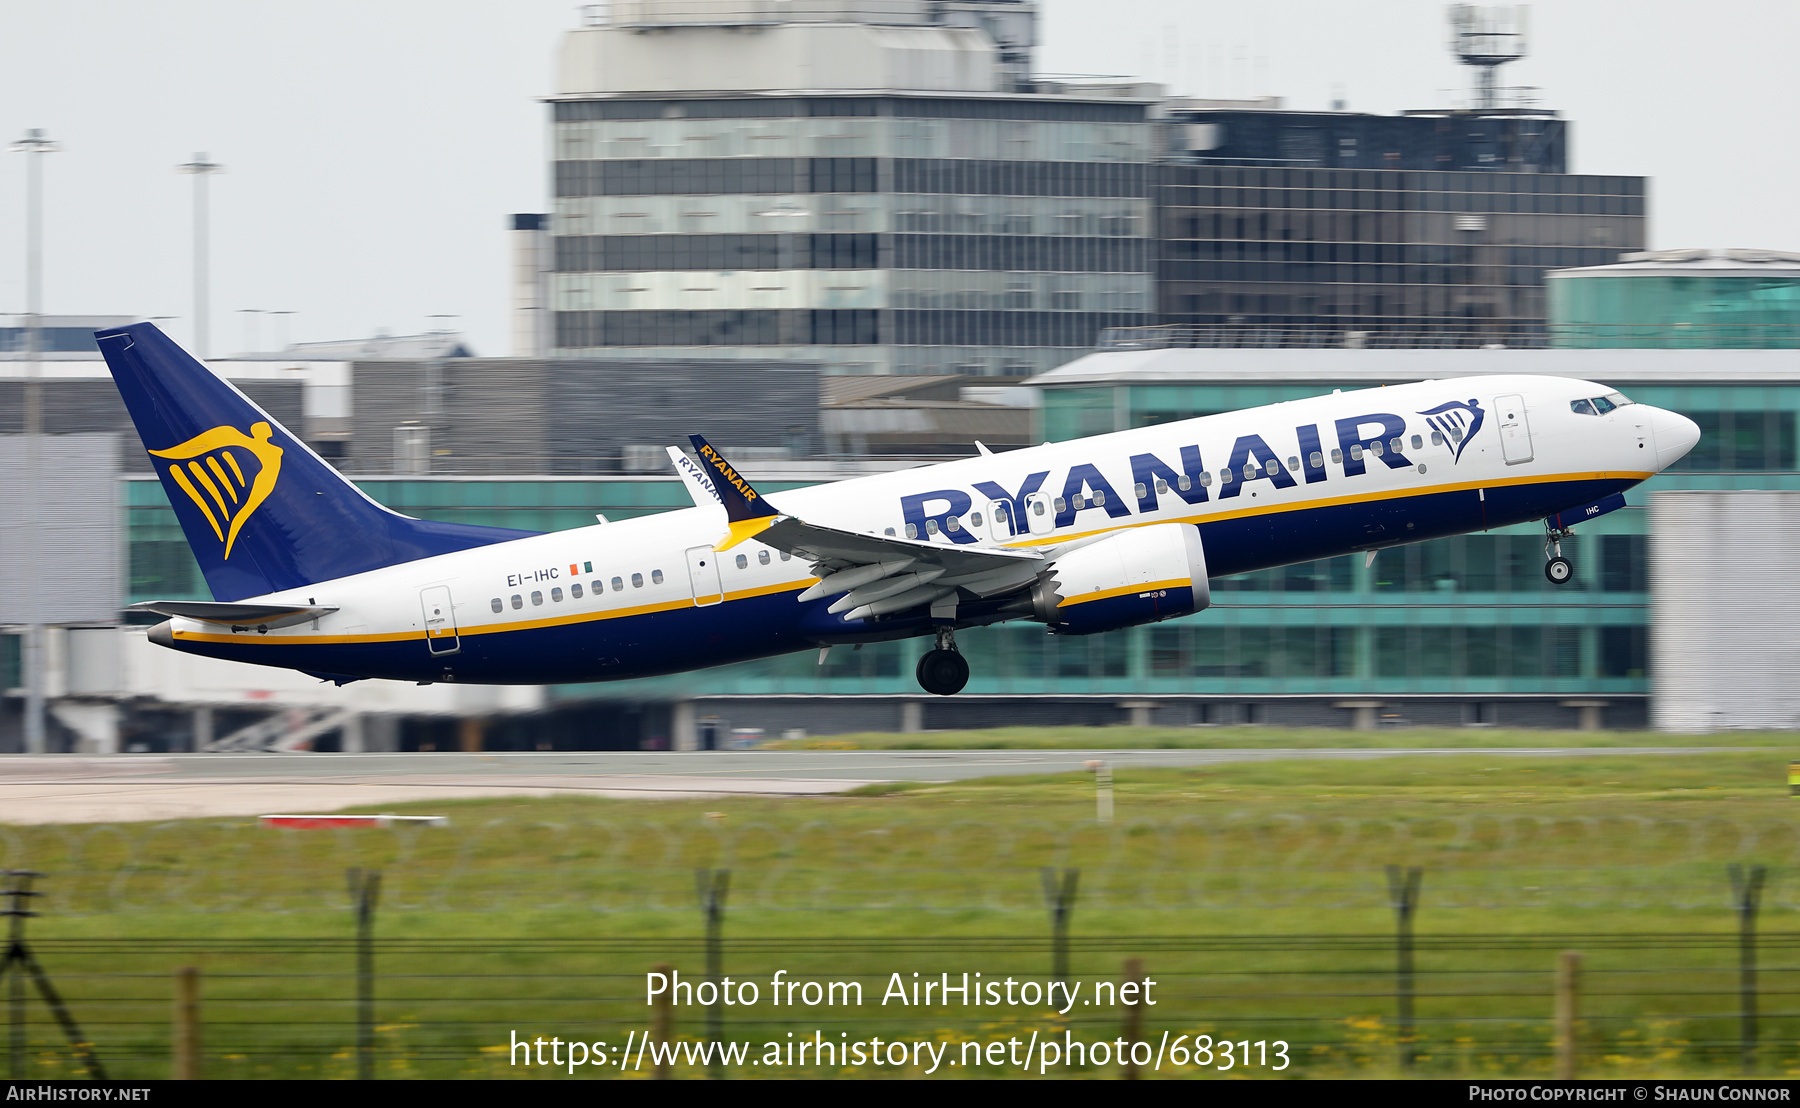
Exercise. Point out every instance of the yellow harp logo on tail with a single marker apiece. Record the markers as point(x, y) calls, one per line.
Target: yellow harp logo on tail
point(210, 468)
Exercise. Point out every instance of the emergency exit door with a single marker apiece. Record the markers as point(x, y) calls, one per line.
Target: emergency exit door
point(703, 571)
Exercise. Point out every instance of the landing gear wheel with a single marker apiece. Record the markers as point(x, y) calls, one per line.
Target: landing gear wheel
point(1559, 571)
point(942, 672)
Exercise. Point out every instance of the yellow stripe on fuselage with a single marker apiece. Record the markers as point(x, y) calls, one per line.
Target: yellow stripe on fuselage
point(796, 586)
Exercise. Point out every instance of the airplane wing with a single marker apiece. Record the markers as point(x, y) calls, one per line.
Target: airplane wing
point(879, 574)
point(235, 615)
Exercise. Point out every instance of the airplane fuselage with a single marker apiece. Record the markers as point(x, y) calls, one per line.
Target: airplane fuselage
point(1268, 486)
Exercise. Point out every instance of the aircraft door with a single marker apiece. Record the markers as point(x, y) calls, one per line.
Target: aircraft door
point(703, 571)
point(1000, 520)
point(440, 620)
point(1039, 519)
point(1515, 432)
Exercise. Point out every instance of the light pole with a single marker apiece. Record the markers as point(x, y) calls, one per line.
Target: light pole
point(201, 168)
point(34, 146)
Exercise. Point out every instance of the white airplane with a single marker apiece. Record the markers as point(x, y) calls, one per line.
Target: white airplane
point(1084, 536)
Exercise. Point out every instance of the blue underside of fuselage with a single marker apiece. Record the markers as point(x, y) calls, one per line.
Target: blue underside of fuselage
point(690, 638)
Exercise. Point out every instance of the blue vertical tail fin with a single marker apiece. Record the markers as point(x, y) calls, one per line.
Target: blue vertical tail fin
point(261, 511)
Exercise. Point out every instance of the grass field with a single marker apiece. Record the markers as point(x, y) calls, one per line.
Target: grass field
point(1255, 894)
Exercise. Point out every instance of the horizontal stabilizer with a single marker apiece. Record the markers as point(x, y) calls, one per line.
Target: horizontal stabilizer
point(266, 616)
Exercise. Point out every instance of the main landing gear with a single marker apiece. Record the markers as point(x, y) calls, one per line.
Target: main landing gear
point(1556, 567)
point(943, 671)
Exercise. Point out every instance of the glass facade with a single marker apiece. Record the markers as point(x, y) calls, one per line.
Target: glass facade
point(873, 234)
point(1431, 254)
point(1684, 310)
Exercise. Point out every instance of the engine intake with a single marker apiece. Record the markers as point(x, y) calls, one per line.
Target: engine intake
point(1140, 575)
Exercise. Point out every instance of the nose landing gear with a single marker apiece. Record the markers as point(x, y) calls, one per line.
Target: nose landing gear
point(943, 671)
point(1557, 568)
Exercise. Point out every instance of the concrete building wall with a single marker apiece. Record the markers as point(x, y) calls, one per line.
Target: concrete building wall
point(1725, 602)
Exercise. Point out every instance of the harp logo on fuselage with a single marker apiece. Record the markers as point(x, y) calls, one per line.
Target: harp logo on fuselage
point(227, 474)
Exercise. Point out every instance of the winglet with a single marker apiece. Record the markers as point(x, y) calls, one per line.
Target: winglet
point(748, 512)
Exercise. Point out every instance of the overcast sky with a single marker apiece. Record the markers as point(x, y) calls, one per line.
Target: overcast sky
point(374, 149)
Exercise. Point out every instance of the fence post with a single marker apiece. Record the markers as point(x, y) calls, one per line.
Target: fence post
point(365, 890)
point(1134, 1018)
point(661, 1022)
point(712, 886)
point(1746, 890)
point(1403, 894)
point(1059, 894)
point(186, 1040)
point(1568, 999)
point(1103, 790)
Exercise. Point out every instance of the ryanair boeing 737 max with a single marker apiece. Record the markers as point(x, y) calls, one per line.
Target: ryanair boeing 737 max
point(1100, 533)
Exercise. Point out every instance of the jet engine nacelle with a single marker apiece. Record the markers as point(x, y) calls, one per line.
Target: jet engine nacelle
point(1139, 575)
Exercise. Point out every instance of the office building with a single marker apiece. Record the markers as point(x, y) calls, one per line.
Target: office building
point(872, 186)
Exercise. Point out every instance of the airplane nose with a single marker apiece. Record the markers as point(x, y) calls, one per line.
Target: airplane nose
point(1674, 434)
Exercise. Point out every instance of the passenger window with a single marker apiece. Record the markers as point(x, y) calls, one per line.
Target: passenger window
point(656, 577)
point(1037, 506)
point(517, 602)
point(1317, 459)
point(912, 530)
point(637, 580)
point(743, 562)
point(1205, 479)
point(1060, 505)
point(888, 532)
point(1437, 438)
point(1139, 491)
point(537, 598)
point(952, 524)
point(1224, 477)
point(1374, 448)
point(497, 605)
point(1456, 434)
point(1418, 443)
point(1293, 464)
point(556, 596)
point(618, 583)
point(1396, 444)
point(974, 519)
point(785, 555)
point(1185, 483)
point(1098, 500)
point(575, 592)
point(1337, 457)
point(1162, 486)
point(931, 527)
point(595, 585)
point(1249, 470)
point(762, 557)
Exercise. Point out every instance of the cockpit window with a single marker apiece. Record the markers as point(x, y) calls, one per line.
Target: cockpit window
point(1599, 405)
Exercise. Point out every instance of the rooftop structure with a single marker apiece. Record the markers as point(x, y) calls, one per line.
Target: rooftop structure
point(1694, 299)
